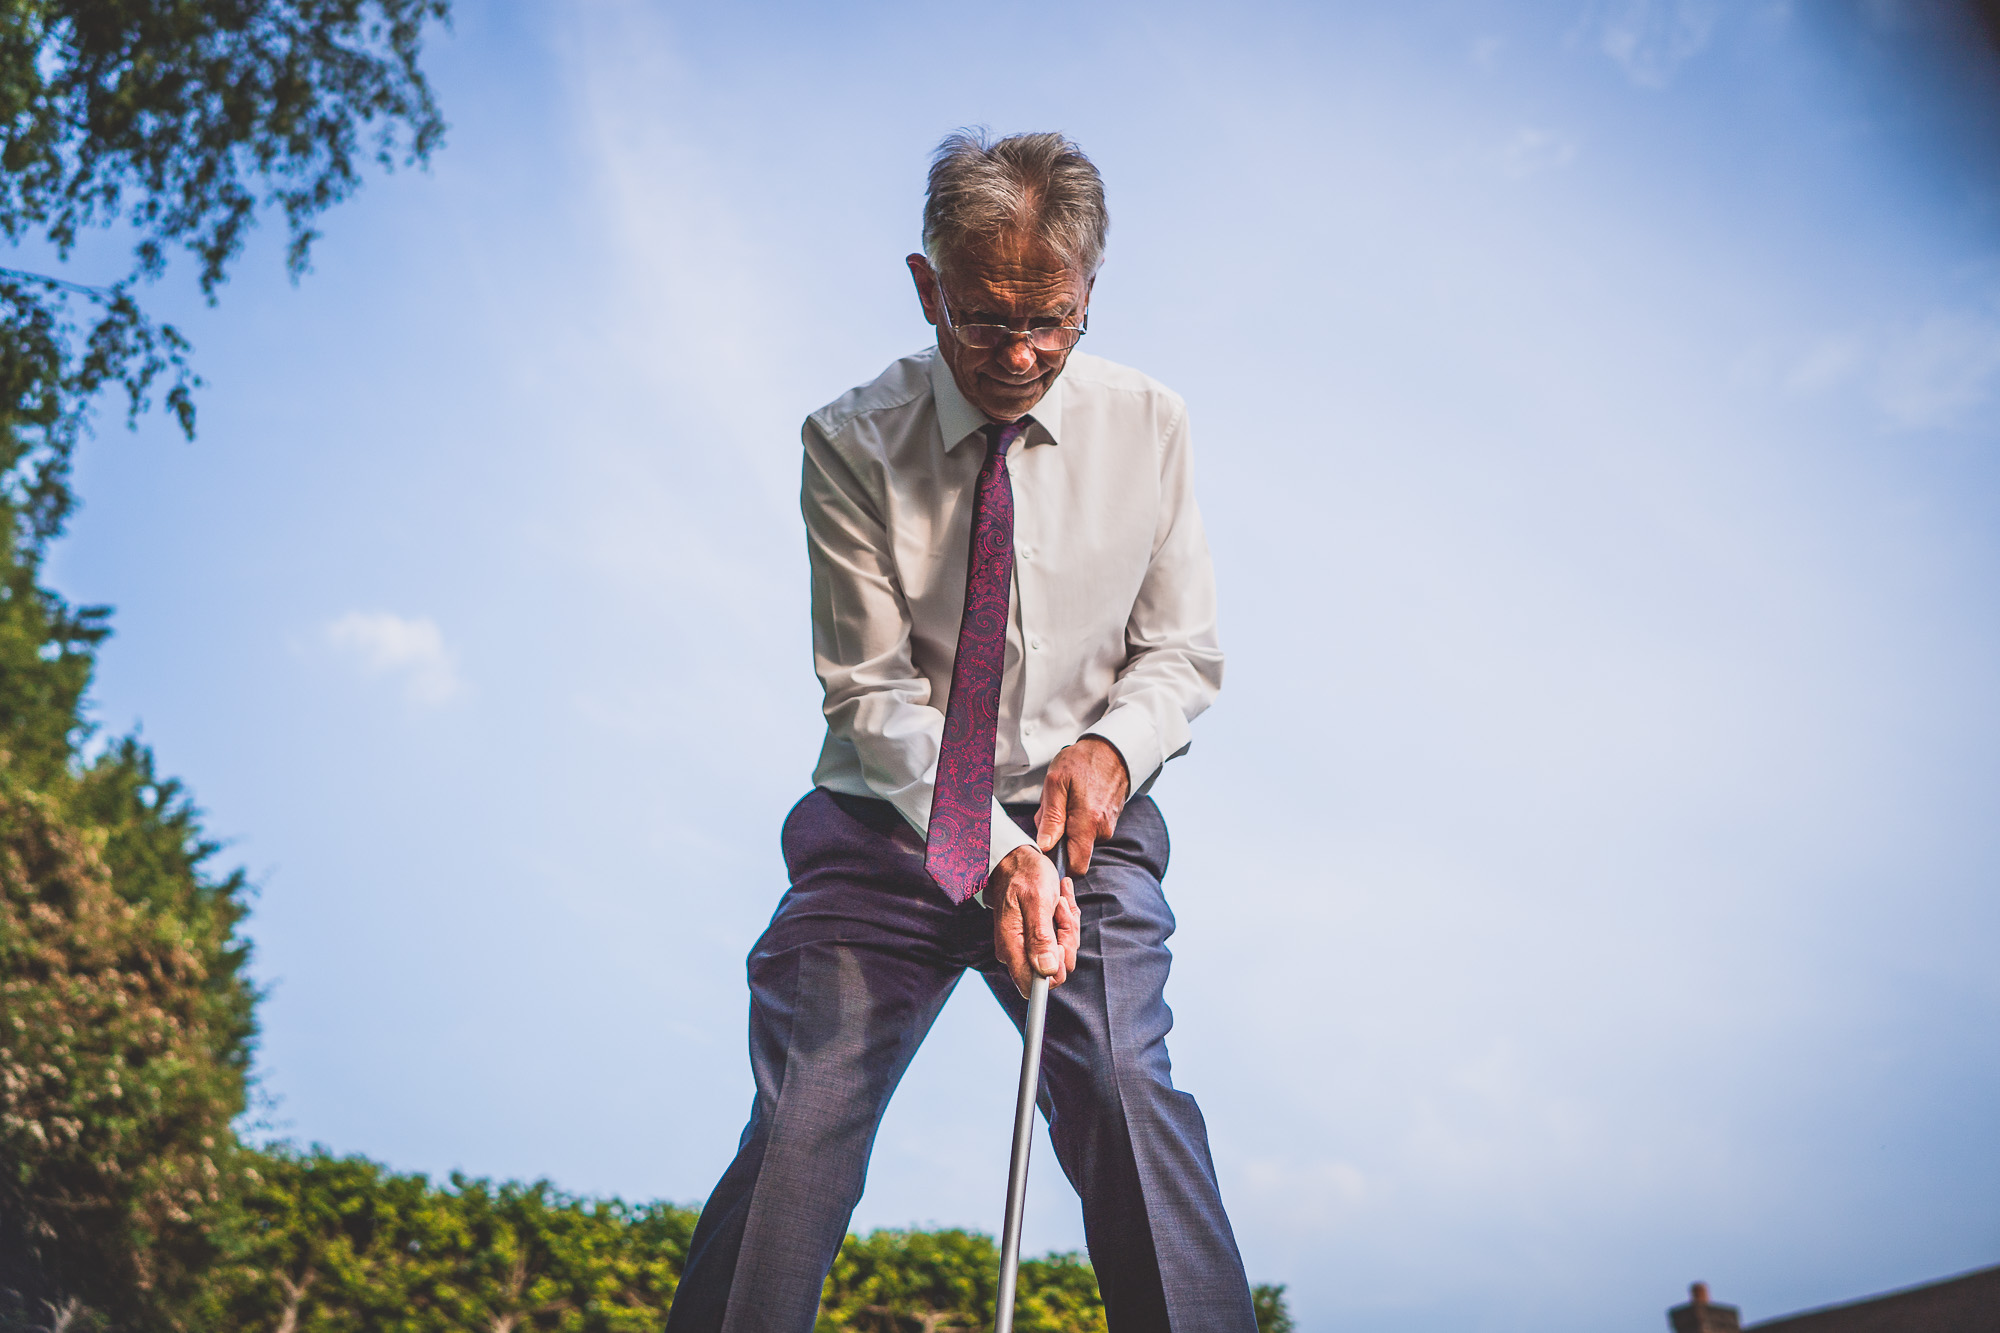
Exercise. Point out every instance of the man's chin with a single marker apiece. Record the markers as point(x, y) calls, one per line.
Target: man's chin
point(1008, 401)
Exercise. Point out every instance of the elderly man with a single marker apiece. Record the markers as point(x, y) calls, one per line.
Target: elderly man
point(1014, 619)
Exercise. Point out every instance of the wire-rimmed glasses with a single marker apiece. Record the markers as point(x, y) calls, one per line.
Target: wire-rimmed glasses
point(1049, 338)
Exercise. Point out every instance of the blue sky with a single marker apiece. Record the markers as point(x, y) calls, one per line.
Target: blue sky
point(1586, 879)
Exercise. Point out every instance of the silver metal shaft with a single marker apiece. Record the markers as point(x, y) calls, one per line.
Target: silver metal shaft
point(1024, 1138)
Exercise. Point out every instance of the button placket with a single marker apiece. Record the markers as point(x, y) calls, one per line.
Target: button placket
point(1027, 581)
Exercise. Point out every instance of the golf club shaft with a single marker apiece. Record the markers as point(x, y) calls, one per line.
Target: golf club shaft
point(1024, 1137)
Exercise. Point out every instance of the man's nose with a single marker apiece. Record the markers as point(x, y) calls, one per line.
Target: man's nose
point(1016, 356)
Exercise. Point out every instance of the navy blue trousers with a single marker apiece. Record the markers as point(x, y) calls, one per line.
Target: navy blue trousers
point(844, 984)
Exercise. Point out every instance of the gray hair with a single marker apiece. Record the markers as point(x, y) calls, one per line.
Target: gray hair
point(1038, 182)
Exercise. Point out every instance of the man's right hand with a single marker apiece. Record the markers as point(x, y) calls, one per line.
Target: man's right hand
point(1036, 923)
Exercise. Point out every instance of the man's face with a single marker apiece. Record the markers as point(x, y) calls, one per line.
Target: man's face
point(1012, 279)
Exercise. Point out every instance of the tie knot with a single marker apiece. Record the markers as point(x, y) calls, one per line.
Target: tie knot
point(999, 437)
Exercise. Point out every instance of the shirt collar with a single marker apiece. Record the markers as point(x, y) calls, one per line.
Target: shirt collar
point(959, 420)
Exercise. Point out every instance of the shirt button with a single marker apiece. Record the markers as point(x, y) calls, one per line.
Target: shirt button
point(1036, 644)
point(1027, 553)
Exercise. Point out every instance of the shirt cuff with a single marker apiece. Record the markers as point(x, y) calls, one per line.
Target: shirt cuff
point(1007, 836)
point(1132, 734)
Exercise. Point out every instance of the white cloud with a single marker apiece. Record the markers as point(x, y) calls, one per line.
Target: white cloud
point(1651, 39)
point(409, 649)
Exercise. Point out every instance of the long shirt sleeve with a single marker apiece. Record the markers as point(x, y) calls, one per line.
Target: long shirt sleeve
point(1174, 667)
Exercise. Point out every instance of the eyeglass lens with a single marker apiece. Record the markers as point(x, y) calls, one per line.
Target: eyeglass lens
point(1050, 338)
point(992, 335)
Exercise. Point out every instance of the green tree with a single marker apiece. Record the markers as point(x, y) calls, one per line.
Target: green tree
point(511, 1258)
point(1058, 1294)
point(327, 1245)
point(1272, 1314)
point(179, 121)
point(946, 1281)
point(125, 1020)
point(123, 1032)
point(525, 1258)
point(896, 1281)
point(125, 1017)
point(343, 1245)
point(649, 1269)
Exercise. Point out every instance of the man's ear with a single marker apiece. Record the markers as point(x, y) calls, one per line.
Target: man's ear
point(926, 280)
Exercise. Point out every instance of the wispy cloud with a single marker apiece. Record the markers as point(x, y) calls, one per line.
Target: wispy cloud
point(1935, 374)
point(1651, 39)
point(1826, 363)
point(1531, 151)
point(410, 650)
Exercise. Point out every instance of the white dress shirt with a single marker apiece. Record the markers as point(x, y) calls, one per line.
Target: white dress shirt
point(1111, 622)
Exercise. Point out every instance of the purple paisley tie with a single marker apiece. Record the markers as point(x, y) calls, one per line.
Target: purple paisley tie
point(961, 832)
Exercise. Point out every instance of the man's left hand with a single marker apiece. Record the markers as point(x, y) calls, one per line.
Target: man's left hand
point(1081, 799)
